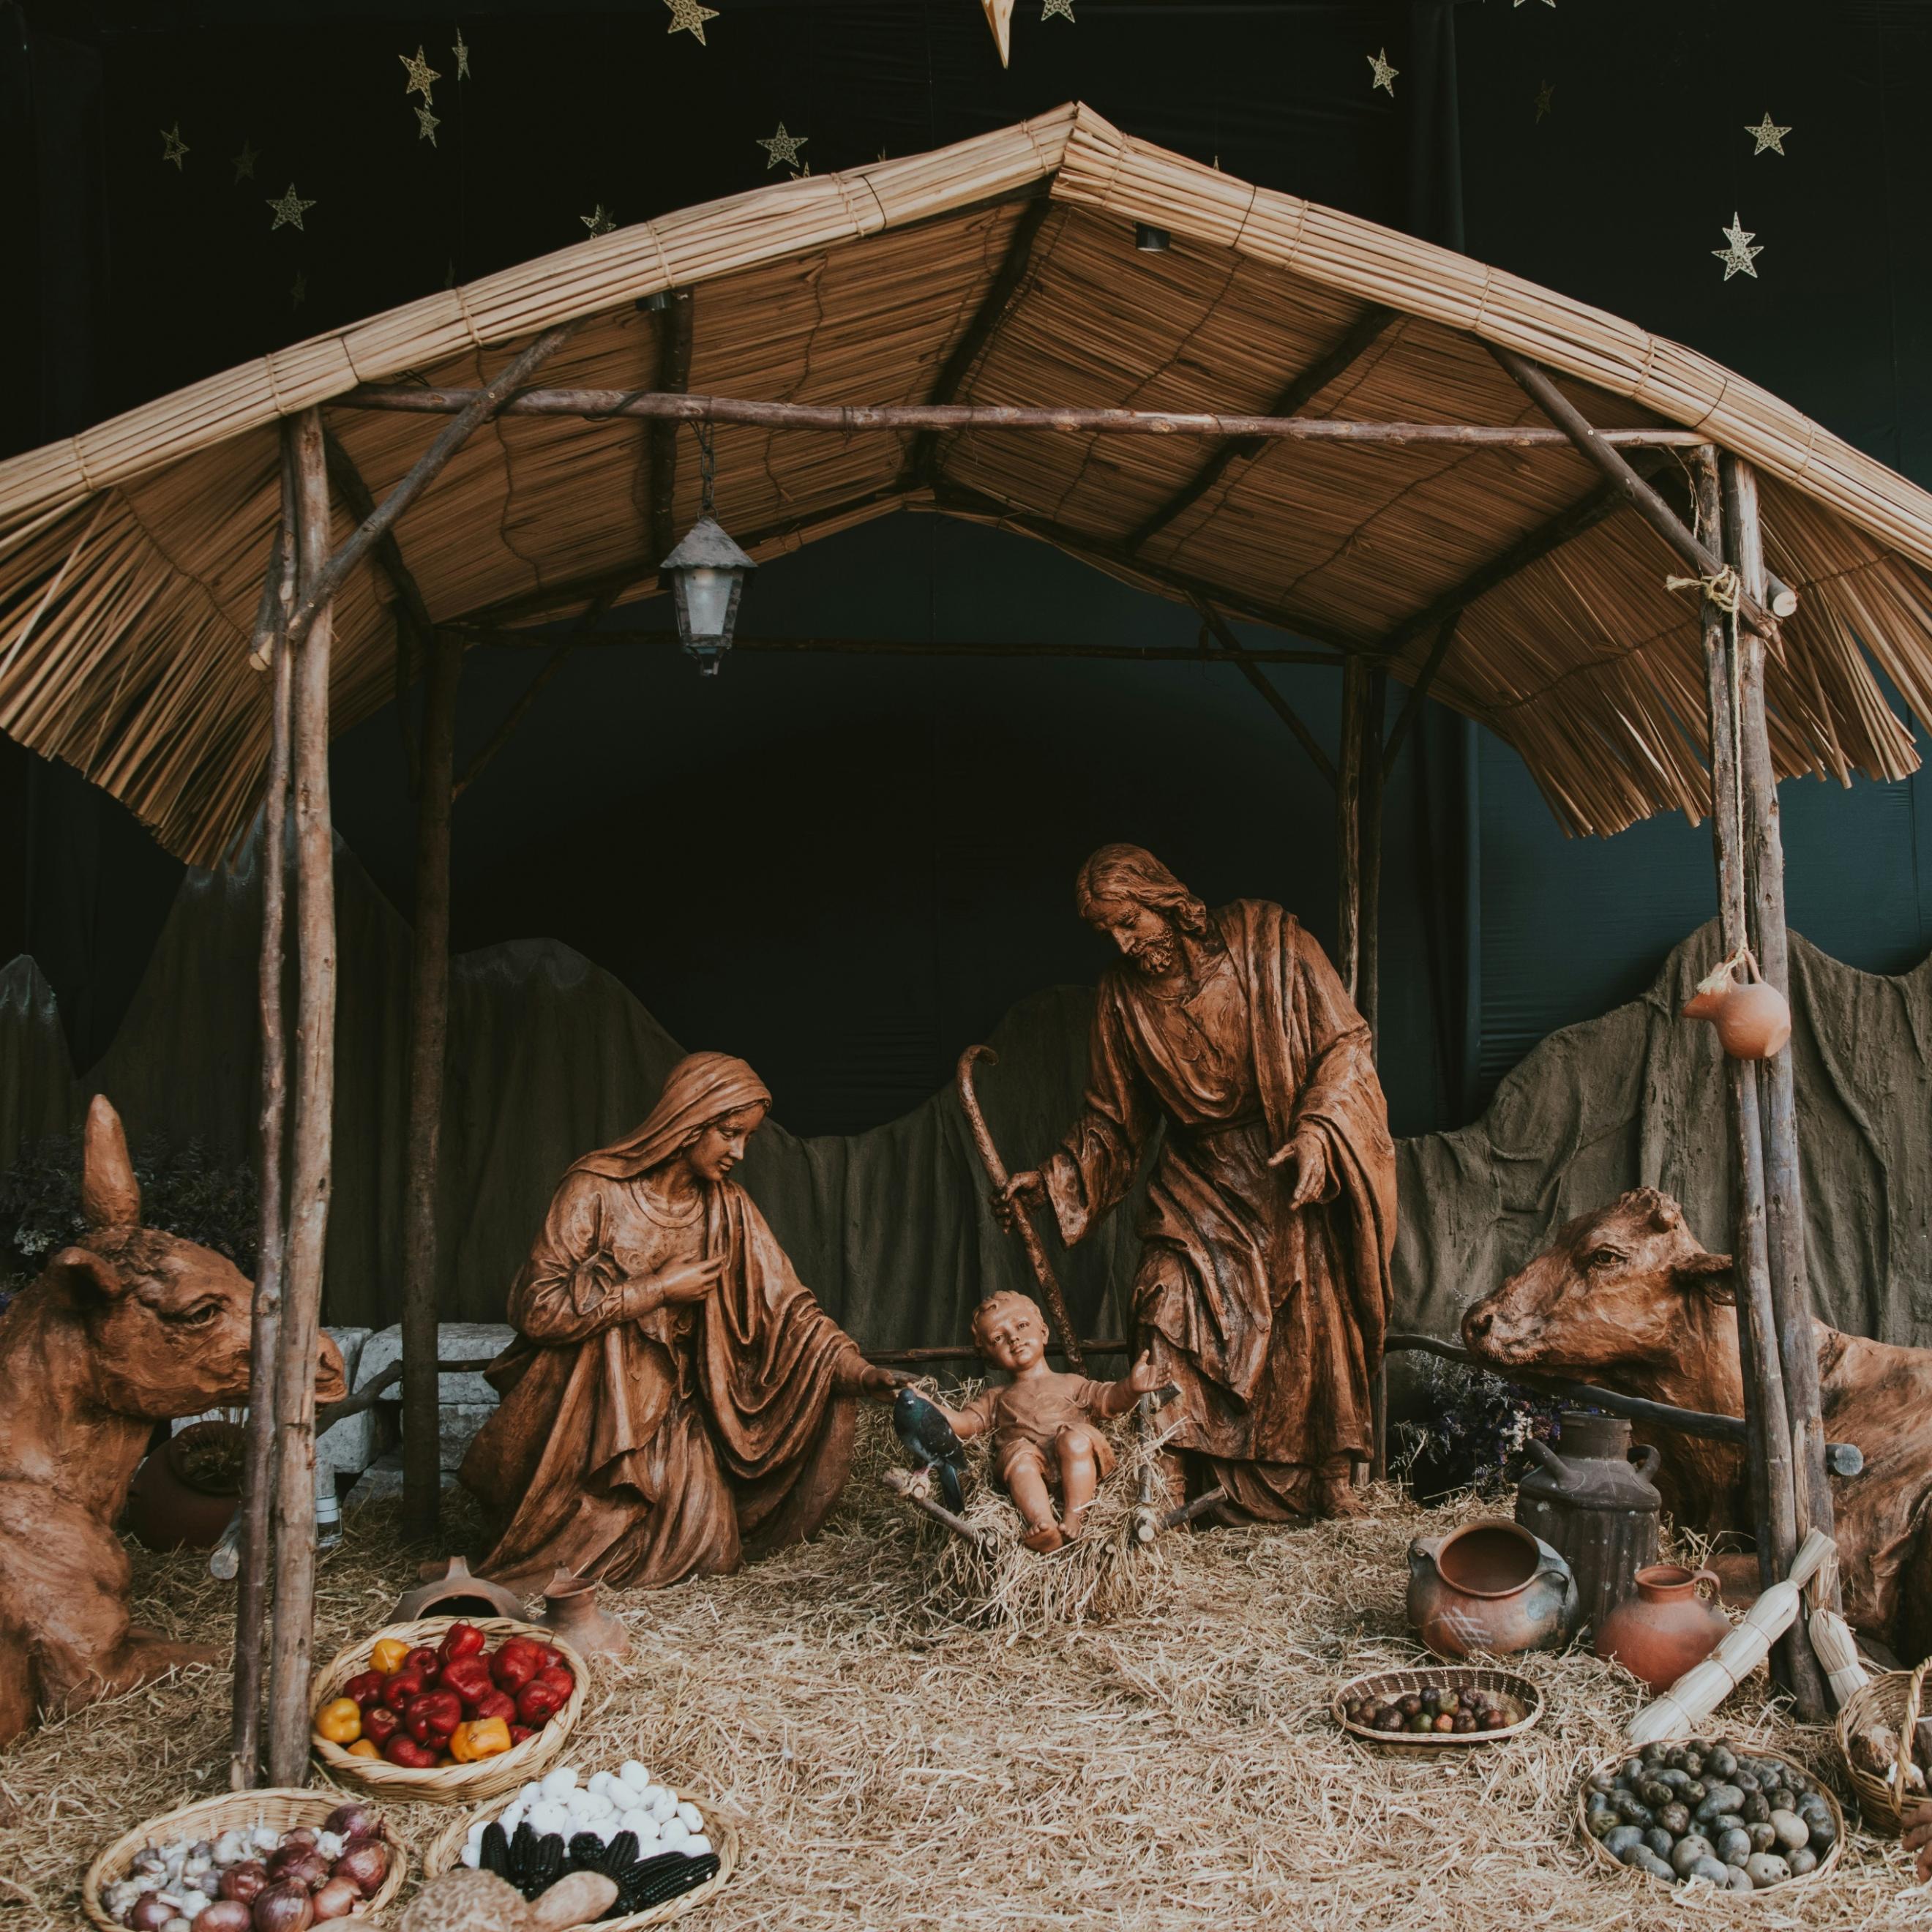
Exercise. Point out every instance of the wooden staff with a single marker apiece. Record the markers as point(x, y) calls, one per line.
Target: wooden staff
point(292, 1623)
point(996, 1172)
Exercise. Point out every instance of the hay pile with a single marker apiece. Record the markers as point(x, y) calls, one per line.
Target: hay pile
point(1175, 1767)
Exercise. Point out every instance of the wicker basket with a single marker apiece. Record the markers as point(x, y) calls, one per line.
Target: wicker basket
point(448, 1783)
point(446, 1849)
point(280, 1810)
point(1443, 1676)
point(1778, 1892)
point(1896, 1698)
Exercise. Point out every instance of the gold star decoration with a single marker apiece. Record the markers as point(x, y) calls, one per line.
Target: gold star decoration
point(461, 51)
point(288, 208)
point(1385, 74)
point(421, 75)
point(298, 290)
point(1767, 135)
point(1738, 257)
point(600, 223)
point(783, 147)
point(243, 163)
point(427, 124)
point(1546, 99)
point(1064, 8)
point(173, 146)
point(688, 16)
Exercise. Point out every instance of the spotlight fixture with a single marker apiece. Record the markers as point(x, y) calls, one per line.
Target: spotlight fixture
point(655, 304)
point(1150, 240)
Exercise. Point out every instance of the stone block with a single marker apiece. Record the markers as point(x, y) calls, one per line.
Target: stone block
point(460, 1421)
point(382, 1479)
point(456, 1341)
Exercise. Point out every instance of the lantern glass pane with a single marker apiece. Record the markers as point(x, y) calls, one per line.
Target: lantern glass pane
point(706, 597)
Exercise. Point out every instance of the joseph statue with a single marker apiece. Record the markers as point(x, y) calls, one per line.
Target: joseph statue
point(1263, 1285)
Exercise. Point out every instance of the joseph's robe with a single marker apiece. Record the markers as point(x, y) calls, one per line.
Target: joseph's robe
point(1271, 1319)
point(642, 1451)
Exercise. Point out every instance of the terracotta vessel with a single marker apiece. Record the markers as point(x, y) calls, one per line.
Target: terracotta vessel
point(1597, 1508)
point(175, 1502)
point(1489, 1588)
point(1659, 1634)
point(1752, 1019)
point(449, 1590)
point(572, 1609)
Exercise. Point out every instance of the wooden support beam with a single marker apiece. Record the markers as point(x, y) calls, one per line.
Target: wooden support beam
point(1764, 856)
point(476, 408)
point(291, 1644)
point(429, 1032)
point(923, 466)
point(893, 418)
point(1599, 446)
point(675, 336)
point(1368, 329)
point(1768, 1443)
point(1411, 706)
point(1349, 831)
point(256, 1551)
point(1230, 648)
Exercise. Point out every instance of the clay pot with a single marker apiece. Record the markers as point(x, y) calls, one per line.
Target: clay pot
point(449, 1590)
point(1752, 1019)
point(1489, 1588)
point(572, 1609)
point(184, 1495)
point(1666, 1627)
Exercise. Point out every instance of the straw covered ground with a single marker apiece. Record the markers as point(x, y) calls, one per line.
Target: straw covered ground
point(889, 1767)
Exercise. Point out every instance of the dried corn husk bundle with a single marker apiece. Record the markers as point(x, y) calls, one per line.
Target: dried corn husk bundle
point(1837, 1650)
point(1703, 1688)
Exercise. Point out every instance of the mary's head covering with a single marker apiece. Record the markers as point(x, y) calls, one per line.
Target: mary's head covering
point(1132, 872)
point(702, 1088)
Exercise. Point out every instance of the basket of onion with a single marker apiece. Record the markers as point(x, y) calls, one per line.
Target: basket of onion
point(447, 1709)
point(249, 1861)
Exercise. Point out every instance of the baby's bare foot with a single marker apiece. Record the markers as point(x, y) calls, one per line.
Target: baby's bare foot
point(1049, 1536)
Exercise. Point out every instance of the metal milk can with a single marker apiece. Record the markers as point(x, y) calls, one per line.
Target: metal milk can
point(1590, 1501)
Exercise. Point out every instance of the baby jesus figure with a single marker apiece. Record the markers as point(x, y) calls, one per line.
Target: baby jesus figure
point(1043, 1423)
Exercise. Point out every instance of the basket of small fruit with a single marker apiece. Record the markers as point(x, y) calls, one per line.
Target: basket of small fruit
point(1441, 1707)
point(248, 1861)
point(1711, 1811)
point(447, 1709)
point(665, 1852)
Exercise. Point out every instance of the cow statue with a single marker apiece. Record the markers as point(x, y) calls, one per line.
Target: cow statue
point(128, 1328)
point(1628, 1298)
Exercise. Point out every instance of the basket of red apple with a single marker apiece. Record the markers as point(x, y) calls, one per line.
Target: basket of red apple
point(447, 1709)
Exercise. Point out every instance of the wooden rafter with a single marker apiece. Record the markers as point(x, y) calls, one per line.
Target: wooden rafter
point(1368, 329)
point(675, 336)
point(1231, 647)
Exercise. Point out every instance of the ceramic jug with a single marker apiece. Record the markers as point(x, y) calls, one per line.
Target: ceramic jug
point(572, 1609)
point(1659, 1634)
point(1752, 1019)
point(1489, 1589)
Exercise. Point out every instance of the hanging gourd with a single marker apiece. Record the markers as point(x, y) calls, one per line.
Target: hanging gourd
point(1753, 1018)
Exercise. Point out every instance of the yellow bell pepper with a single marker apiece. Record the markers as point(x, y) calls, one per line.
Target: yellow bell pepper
point(363, 1747)
point(387, 1655)
point(481, 1737)
point(339, 1721)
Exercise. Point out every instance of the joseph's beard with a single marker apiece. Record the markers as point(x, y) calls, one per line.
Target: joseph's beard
point(1153, 957)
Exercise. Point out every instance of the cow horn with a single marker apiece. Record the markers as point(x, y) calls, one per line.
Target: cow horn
point(110, 1196)
point(1665, 1215)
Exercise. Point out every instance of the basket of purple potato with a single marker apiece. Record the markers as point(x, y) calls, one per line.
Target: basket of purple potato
point(248, 1861)
point(1441, 1706)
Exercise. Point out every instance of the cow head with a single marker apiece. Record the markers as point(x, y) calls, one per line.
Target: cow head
point(167, 1320)
point(1615, 1288)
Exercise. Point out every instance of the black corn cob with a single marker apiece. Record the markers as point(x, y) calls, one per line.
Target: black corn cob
point(673, 1884)
point(585, 1852)
point(494, 1854)
point(523, 1855)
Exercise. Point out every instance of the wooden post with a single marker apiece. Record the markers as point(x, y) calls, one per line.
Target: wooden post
point(292, 1623)
point(1784, 1197)
point(251, 1594)
point(1348, 829)
point(1768, 1429)
point(1368, 974)
point(429, 1028)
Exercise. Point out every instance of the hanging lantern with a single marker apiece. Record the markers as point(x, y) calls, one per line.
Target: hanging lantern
point(707, 574)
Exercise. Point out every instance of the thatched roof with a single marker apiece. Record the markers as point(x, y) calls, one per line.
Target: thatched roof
point(131, 557)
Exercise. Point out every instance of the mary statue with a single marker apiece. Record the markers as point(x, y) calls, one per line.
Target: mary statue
point(675, 1399)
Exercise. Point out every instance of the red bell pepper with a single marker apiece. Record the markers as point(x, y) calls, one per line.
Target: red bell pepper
point(400, 1686)
point(461, 1640)
point(365, 1689)
point(496, 1704)
point(425, 1660)
point(433, 1716)
point(514, 1665)
point(469, 1677)
point(379, 1724)
point(405, 1750)
point(537, 1703)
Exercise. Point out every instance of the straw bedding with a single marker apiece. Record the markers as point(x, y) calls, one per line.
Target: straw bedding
point(888, 1767)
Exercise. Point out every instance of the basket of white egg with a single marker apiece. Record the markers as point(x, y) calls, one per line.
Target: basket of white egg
point(666, 1853)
